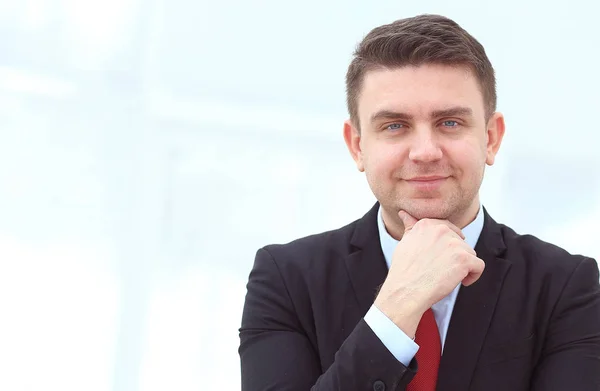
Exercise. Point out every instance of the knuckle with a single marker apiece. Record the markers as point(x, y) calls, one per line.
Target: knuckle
point(462, 268)
point(481, 264)
point(417, 226)
point(423, 223)
point(461, 256)
point(455, 243)
point(441, 229)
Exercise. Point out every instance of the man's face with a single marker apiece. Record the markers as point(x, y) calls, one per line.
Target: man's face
point(424, 140)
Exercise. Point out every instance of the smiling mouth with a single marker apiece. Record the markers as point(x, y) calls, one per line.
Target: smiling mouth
point(428, 183)
point(426, 179)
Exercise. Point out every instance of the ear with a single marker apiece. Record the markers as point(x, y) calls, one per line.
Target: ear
point(495, 133)
point(352, 138)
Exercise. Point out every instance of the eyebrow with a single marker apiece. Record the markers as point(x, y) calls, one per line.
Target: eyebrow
point(450, 112)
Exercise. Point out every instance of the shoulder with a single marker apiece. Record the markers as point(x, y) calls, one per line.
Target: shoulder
point(302, 252)
point(535, 254)
point(318, 258)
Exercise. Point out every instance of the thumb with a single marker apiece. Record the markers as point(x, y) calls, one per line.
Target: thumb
point(407, 220)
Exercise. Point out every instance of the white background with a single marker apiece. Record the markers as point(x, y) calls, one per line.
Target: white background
point(149, 147)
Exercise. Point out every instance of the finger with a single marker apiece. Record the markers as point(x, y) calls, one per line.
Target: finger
point(452, 227)
point(475, 271)
point(407, 220)
point(468, 249)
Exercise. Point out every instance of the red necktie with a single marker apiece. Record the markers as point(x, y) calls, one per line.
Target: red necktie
point(428, 355)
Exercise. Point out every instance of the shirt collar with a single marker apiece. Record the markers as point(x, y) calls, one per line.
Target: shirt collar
point(388, 244)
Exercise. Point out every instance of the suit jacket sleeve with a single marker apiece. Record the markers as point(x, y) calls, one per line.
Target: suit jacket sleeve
point(276, 353)
point(571, 356)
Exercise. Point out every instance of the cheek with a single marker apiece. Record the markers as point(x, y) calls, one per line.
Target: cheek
point(469, 157)
point(383, 161)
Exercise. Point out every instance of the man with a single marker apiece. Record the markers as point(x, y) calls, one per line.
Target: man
point(426, 291)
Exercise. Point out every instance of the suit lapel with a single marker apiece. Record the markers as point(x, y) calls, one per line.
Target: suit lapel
point(365, 263)
point(473, 312)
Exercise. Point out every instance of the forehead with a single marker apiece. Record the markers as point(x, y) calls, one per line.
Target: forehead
point(419, 90)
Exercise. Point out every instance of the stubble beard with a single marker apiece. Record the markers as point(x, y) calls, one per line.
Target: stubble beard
point(451, 206)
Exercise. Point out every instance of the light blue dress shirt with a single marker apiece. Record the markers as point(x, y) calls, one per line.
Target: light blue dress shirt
point(397, 342)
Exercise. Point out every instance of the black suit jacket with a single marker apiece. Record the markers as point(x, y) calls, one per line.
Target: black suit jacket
point(531, 322)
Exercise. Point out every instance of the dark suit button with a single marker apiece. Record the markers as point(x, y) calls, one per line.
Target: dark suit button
point(379, 386)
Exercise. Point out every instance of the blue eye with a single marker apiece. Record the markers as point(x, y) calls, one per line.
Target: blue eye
point(394, 126)
point(450, 124)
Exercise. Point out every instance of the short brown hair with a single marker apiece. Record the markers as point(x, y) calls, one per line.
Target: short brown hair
point(423, 39)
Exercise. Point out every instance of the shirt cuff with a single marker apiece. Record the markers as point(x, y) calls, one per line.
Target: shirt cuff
point(394, 339)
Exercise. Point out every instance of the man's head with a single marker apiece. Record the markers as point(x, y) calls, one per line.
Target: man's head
point(422, 99)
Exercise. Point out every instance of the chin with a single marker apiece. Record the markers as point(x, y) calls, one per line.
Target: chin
point(428, 209)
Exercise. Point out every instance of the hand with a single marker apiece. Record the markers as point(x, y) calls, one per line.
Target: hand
point(429, 262)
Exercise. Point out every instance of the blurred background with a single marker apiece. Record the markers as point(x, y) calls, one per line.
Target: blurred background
point(149, 147)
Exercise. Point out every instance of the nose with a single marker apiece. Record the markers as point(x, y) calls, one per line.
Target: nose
point(424, 147)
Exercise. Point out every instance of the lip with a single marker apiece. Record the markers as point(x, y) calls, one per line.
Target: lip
point(426, 179)
point(427, 183)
